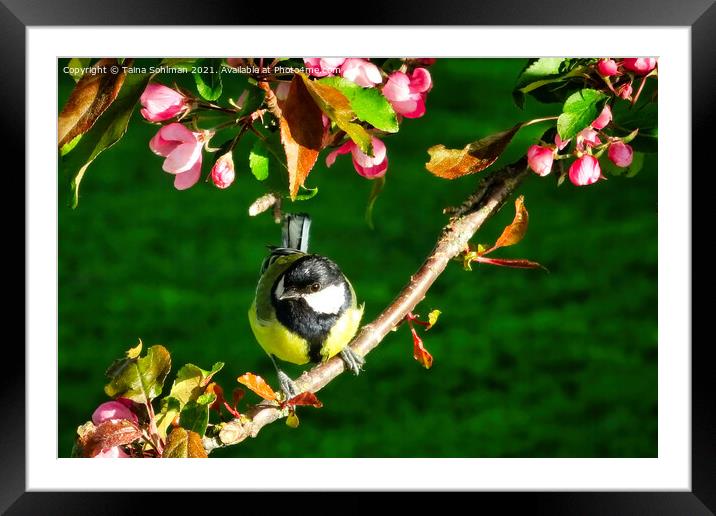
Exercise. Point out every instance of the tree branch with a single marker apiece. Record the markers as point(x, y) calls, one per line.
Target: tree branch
point(465, 220)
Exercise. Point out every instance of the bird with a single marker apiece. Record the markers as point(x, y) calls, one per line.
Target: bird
point(305, 309)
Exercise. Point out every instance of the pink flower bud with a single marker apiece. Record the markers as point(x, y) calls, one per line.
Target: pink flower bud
point(407, 93)
point(620, 154)
point(540, 159)
point(112, 453)
point(182, 150)
point(639, 65)
point(560, 143)
point(585, 171)
point(587, 138)
point(603, 119)
point(367, 166)
point(160, 103)
point(323, 66)
point(607, 67)
point(113, 410)
point(624, 91)
point(222, 173)
point(362, 72)
point(426, 61)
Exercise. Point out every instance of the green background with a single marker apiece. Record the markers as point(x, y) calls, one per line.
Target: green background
point(527, 363)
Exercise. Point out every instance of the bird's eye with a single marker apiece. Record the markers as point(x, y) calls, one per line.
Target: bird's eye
point(315, 287)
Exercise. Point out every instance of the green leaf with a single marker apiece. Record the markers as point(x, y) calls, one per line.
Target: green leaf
point(534, 75)
point(76, 64)
point(259, 160)
point(378, 185)
point(139, 379)
point(645, 119)
point(195, 415)
point(208, 79)
point(184, 444)
point(580, 110)
point(310, 193)
point(368, 104)
point(170, 409)
point(67, 147)
point(106, 131)
point(337, 107)
point(191, 381)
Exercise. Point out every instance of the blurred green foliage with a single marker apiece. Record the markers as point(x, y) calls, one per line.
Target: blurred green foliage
point(527, 363)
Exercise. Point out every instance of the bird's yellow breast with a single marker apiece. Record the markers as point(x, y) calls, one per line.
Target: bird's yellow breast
point(279, 341)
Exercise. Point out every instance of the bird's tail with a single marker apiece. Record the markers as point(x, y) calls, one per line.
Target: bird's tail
point(296, 227)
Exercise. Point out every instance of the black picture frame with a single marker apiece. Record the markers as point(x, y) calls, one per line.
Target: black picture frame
point(700, 15)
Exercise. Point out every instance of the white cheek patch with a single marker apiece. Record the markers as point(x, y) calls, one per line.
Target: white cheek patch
point(279, 288)
point(327, 301)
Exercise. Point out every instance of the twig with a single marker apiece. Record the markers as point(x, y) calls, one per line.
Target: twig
point(491, 194)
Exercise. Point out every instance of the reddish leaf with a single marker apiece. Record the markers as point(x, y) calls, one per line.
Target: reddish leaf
point(419, 352)
point(513, 233)
point(215, 388)
point(111, 433)
point(305, 398)
point(91, 96)
point(514, 263)
point(257, 385)
point(301, 134)
point(474, 157)
point(237, 395)
point(184, 444)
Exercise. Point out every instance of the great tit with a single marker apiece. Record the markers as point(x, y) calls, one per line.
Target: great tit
point(305, 309)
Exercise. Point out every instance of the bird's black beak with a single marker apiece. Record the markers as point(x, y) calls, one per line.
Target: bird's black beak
point(289, 294)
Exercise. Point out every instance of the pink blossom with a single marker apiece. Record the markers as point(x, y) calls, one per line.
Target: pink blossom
point(561, 144)
point(640, 65)
point(426, 61)
point(112, 453)
point(113, 410)
point(367, 166)
point(625, 91)
point(585, 171)
point(407, 93)
point(182, 150)
point(587, 138)
point(222, 173)
point(607, 67)
point(540, 159)
point(603, 119)
point(160, 103)
point(620, 154)
point(323, 66)
point(362, 72)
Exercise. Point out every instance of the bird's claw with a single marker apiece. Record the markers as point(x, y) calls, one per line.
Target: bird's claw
point(288, 386)
point(353, 360)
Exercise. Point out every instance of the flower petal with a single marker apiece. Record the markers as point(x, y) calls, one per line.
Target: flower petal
point(189, 178)
point(182, 158)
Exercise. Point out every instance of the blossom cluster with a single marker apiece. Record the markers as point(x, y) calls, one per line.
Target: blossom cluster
point(182, 147)
point(585, 169)
point(406, 93)
point(592, 141)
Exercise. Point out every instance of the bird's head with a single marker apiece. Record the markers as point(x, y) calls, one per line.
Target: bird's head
point(315, 280)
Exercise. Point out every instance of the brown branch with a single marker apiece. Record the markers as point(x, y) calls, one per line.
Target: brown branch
point(466, 219)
